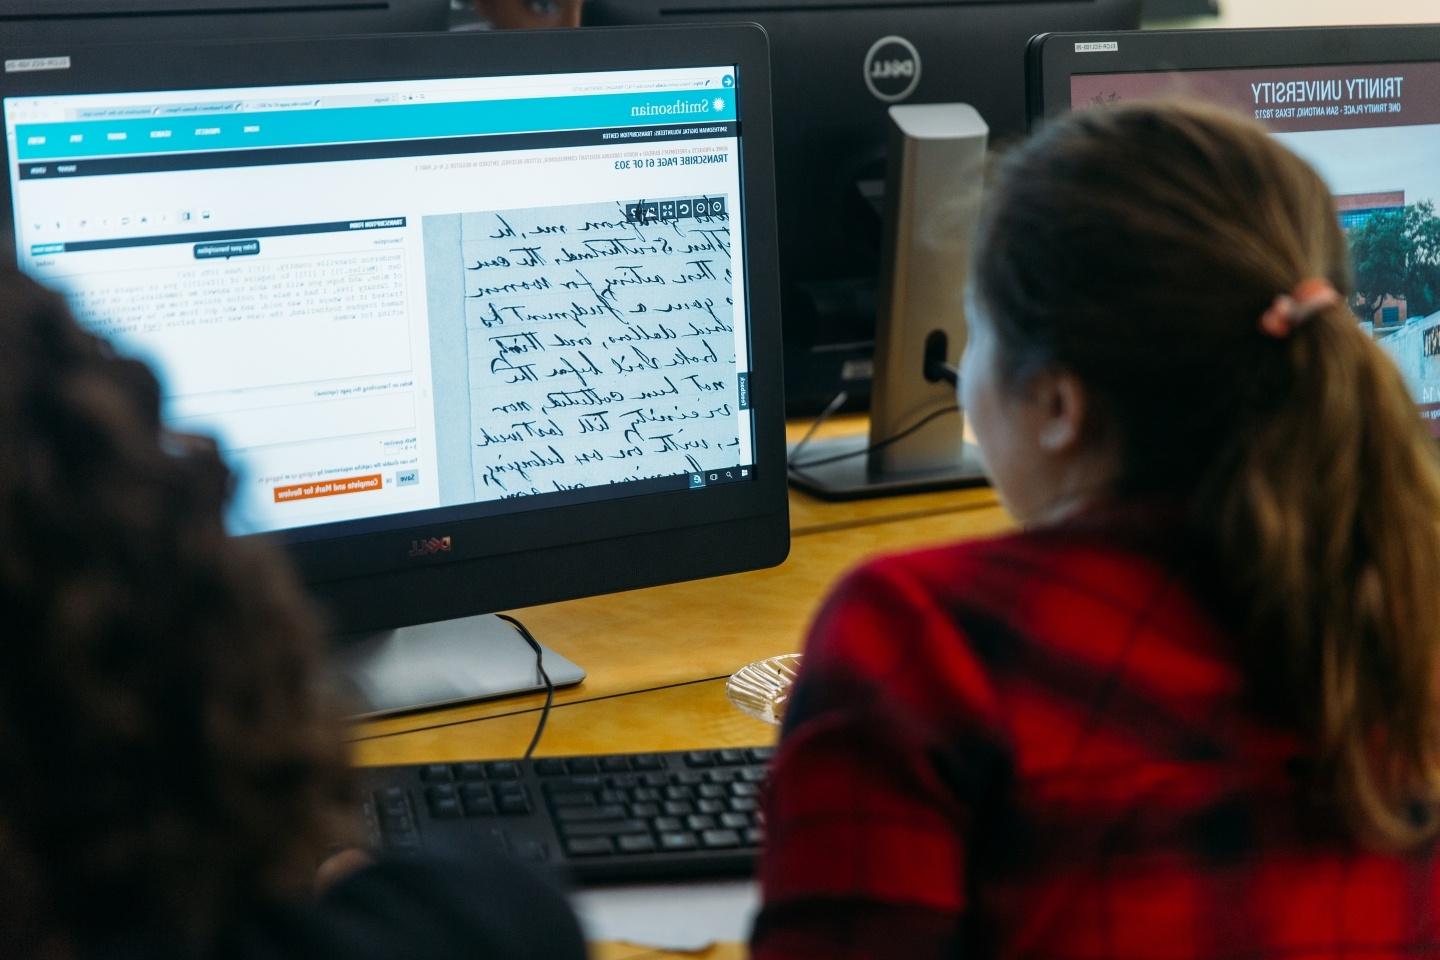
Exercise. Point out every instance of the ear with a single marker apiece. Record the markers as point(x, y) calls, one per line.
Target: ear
point(1061, 404)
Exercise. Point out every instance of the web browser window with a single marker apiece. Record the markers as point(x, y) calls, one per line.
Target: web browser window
point(1373, 132)
point(475, 295)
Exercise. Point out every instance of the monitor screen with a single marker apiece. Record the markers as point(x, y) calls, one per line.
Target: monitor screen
point(473, 296)
point(1371, 127)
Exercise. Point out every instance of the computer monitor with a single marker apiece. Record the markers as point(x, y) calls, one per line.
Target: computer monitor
point(1361, 104)
point(480, 320)
point(838, 67)
point(40, 22)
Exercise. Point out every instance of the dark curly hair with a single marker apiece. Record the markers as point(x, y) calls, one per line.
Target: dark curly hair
point(168, 757)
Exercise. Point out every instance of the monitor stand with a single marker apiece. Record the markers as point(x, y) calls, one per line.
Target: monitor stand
point(437, 664)
point(934, 182)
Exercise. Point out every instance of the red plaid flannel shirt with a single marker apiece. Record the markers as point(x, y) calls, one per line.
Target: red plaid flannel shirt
point(1042, 746)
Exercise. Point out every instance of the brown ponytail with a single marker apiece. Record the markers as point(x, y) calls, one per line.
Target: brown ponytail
point(1139, 247)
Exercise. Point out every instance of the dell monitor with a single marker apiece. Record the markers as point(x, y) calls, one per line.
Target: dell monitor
point(479, 320)
point(31, 23)
point(1361, 104)
point(838, 68)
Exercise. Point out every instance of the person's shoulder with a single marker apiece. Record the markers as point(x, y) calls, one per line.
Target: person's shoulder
point(429, 910)
point(984, 573)
point(989, 596)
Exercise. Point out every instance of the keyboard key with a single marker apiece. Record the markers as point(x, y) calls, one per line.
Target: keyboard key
point(711, 791)
point(678, 793)
point(690, 777)
point(720, 838)
point(603, 828)
point(503, 790)
point(710, 806)
point(625, 781)
point(589, 847)
point(615, 764)
point(550, 767)
point(644, 810)
point(636, 843)
point(612, 796)
point(760, 754)
point(586, 799)
point(678, 841)
point(698, 822)
point(753, 775)
point(754, 837)
point(442, 792)
point(582, 765)
point(574, 783)
point(645, 795)
point(448, 809)
point(668, 823)
point(731, 757)
point(699, 758)
point(583, 814)
point(513, 804)
point(680, 808)
point(502, 770)
point(744, 790)
point(391, 804)
point(743, 804)
point(656, 779)
point(647, 761)
point(478, 804)
point(723, 776)
point(469, 771)
point(734, 821)
point(435, 773)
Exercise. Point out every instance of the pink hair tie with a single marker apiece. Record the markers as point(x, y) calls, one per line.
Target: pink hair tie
point(1299, 306)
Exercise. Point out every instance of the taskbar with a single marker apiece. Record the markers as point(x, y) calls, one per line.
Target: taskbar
point(513, 502)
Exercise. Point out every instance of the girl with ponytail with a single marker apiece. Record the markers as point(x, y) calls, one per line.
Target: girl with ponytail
point(1191, 710)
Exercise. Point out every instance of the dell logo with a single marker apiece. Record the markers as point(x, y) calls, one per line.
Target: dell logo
point(892, 69)
point(429, 547)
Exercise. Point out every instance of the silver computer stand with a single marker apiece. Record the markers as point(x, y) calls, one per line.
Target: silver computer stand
point(435, 664)
point(934, 182)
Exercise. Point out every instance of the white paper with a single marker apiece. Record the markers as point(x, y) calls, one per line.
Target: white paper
point(682, 916)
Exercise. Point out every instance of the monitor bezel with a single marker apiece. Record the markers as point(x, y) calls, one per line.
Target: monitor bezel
point(1052, 58)
point(518, 559)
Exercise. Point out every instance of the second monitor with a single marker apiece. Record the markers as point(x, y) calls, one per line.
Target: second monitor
point(837, 68)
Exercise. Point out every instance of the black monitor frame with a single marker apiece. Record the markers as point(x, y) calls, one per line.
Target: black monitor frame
point(833, 61)
point(24, 22)
point(1053, 58)
point(371, 581)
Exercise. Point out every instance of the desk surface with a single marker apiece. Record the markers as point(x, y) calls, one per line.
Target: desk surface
point(658, 658)
point(706, 629)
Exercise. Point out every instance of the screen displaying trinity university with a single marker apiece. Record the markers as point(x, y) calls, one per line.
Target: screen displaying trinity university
point(468, 296)
point(1373, 132)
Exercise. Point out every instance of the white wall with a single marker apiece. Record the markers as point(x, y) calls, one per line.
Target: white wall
point(1295, 13)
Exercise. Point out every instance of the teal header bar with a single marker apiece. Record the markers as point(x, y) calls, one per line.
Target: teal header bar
point(332, 125)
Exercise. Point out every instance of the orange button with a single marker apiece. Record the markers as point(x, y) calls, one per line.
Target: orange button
point(327, 488)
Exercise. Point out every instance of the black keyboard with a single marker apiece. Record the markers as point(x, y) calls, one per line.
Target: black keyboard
point(634, 816)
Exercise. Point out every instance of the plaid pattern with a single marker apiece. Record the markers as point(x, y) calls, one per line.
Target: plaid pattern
point(1041, 746)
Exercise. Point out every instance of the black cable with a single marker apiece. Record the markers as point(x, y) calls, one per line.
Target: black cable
point(878, 445)
point(836, 402)
point(549, 684)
